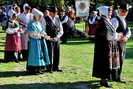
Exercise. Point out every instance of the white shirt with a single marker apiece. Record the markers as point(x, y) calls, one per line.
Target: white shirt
point(25, 19)
point(115, 23)
point(10, 12)
point(93, 20)
point(65, 20)
point(43, 23)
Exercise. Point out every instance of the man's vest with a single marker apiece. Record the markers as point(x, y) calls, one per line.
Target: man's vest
point(51, 28)
point(121, 27)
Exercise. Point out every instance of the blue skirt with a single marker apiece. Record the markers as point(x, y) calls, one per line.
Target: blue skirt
point(38, 53)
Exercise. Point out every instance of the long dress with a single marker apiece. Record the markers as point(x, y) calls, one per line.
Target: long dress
point(38, 52)
point(106, 55)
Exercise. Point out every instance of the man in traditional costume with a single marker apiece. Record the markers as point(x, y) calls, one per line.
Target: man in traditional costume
point(122, 28)
point(55, 30)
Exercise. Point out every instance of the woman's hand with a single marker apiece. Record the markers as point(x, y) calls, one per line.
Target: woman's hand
point(46, 36)
point(123, 39)
point(54, 39)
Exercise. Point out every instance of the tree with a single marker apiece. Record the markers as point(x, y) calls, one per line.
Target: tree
point(59, 3)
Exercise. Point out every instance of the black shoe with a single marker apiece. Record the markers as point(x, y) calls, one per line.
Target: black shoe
point(106, 85)
point(48, 71)
point(16, 61)
point(57, 70)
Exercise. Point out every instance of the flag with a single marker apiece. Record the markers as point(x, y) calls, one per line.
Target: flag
point(82, 7)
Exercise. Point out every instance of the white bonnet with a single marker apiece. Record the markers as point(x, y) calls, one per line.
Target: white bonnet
point(103, 10)
point(25, 5)
point(36, 12)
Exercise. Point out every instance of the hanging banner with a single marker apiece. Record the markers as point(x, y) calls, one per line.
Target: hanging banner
point(82, 7)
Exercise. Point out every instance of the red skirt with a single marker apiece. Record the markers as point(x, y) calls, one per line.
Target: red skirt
point(13, 42)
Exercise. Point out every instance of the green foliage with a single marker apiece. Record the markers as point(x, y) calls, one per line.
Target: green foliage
point(43, 3)
point(105, 2)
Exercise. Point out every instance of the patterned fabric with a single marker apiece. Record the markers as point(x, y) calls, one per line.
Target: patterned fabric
point(114, 55)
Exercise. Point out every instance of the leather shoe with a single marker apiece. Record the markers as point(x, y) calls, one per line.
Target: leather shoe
point(48, 71)
point(106, 85)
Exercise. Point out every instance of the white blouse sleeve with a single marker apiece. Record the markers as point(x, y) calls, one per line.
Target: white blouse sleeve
point(11, 30)
point(60, 33)
point(65, 20)
point(115, 23)
point(35, 35)
point(128, 35)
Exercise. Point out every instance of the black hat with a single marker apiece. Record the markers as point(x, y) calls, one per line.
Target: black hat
point(124, 7)
point(53, 9)
point(27, 7)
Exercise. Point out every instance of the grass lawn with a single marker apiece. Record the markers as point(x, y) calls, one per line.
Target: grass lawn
point(76, 62)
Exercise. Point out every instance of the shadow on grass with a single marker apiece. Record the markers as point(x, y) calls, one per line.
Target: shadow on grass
point(92, 84)
point(58, 85)
point(5, 74)
point(2, 50)
point(2, 45)
point(1, 61)
point(129, 53)
point(78, 43)
point(2, 42)
point(2, 31)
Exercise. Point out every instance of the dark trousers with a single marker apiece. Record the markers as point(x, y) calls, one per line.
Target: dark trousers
point(24, 55)
point(122, 53)
point(54, 54)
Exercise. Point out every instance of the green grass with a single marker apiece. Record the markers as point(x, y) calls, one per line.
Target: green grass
point(80, 26)
point(76, 62)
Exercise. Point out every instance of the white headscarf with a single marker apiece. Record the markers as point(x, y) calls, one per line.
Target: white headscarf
point(37, 12)
point(103, 10)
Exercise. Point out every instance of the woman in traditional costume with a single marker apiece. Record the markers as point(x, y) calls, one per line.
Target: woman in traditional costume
point(13, 40)
point(38, 53)
point(106, 56)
